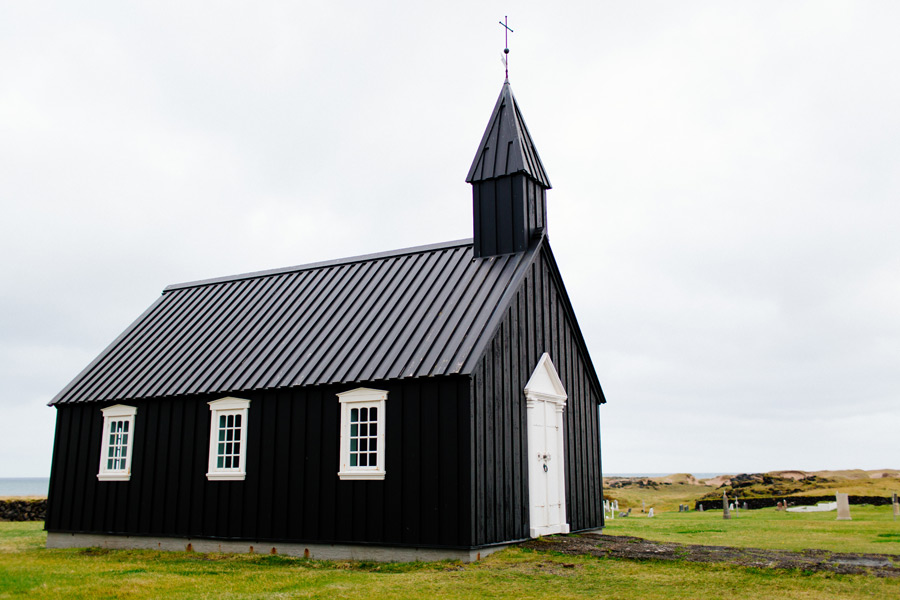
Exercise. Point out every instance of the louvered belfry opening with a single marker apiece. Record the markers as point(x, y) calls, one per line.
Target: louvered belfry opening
point(509, 183)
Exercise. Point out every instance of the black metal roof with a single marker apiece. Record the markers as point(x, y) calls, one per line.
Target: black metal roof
point(506, 146)
point(416, 312)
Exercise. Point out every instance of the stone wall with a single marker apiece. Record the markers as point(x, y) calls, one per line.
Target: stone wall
point(772, 501)
point(23, 510)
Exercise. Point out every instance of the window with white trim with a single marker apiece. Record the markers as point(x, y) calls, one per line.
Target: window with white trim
point(117, 442)
point(362, 434)
point(228, 439)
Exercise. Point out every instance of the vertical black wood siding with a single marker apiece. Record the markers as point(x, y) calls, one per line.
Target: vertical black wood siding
point(292, 491)
point(536, 322)
point(507, 213)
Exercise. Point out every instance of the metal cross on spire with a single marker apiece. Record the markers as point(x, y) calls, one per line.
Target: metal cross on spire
point(506, 33)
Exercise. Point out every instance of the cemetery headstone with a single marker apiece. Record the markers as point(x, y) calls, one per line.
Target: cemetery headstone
point(745, 505)
point(650, 514)
point(701, 508)
point(843, 507)
point(726, 514)
point(896, 506)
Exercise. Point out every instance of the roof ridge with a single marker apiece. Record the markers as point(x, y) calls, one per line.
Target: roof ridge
point(321, 264)
point(490, 328)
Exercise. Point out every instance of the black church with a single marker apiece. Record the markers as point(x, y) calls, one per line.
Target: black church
point(429, 402)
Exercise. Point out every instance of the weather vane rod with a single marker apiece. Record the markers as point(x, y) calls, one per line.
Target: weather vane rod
point(506, 33)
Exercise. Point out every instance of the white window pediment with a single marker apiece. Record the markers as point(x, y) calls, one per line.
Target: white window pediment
point(229, 403)
point(119, 410)
point(545, 383)
point(362, 395)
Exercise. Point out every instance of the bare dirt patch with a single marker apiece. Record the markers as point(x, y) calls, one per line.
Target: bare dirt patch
point(620, 546)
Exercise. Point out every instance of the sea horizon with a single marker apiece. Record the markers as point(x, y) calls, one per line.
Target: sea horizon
point(24, 486)
point(40, 486)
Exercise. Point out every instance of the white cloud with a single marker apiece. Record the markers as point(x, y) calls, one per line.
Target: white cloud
point(724, 209)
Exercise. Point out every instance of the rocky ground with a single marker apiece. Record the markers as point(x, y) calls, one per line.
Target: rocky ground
point(23, 509)
point(668, 492)
point(595, 544)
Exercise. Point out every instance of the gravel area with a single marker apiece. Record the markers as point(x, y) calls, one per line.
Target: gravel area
point(617, 546)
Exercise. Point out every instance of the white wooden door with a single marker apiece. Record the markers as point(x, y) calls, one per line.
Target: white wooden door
point(546, 401)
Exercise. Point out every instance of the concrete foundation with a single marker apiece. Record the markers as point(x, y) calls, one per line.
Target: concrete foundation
point(316, 551)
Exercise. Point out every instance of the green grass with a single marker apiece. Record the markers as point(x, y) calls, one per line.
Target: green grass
point(873, 529)
point(27, 570)
point(664, 497)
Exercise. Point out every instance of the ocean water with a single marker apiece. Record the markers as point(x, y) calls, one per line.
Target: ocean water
point(24, 486)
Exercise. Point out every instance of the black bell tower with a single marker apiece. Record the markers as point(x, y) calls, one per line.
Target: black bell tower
point(509, 184)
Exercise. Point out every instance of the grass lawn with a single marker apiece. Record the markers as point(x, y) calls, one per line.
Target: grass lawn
point(873, 529)
point(29, 570)
point(666, 497)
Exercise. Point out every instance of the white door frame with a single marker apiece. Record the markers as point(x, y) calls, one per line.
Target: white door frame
point(545, 402)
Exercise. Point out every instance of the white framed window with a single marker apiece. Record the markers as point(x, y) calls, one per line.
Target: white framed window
point(117, 442)
point(228, 439)
point(362, 433)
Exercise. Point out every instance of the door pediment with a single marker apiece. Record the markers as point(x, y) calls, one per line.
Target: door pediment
point(545, 384)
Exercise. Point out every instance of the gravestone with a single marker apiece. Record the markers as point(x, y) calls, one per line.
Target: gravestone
point(896, 506)
point(701, 508)
point(745, 506)
point(780, 506)
point(843, 502)
point(726, 514)
point(650, 514)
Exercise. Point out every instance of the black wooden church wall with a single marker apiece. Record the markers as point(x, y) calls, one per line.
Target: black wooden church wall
point(291, 491)
point(455, 453)
point(538, 320)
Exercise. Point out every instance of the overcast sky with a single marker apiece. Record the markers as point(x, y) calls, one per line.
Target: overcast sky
point(725, 209)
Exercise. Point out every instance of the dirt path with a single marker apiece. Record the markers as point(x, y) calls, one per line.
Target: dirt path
point(882, 565)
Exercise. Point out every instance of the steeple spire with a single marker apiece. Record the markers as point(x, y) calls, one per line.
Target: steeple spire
point(509, 183)
point(505, 23)
point(506, 146)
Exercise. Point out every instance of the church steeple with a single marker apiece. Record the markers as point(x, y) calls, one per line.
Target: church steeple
point(509, 183)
